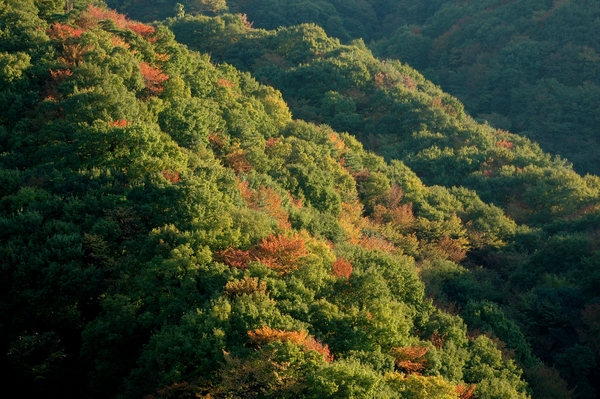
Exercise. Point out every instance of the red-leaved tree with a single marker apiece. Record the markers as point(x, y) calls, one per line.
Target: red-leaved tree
point(265, 335)
point(342, 268)
point(153, 77)
point(279, 252)
point(410, 359)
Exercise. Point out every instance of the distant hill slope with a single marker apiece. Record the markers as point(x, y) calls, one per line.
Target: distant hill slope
point(396, 112)
point(530, 67)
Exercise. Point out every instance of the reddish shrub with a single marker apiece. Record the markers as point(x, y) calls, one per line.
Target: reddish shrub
point(466, 391)
point(234, 257)
point(225, 83)
point(95, 14)
point(266, 200)
point(72, 54)
point(281, 253)
point(60, 31)
point(173, 177)
point(312, 344)
point(60, 74)
point(342, 268)
point(410, 359)
point(141, 29)
point(153, 77)
point(271, 141)
point(265, 335)
point(437, 340)
point(118, 123)
point(505, 144)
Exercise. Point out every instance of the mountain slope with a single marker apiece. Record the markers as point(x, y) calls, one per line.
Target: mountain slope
point(168, 229)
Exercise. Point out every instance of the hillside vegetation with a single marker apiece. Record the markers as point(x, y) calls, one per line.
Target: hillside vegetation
point(528, 66)
point(274, 214)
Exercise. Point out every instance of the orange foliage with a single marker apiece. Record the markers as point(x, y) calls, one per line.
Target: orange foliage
point(410, 359)
point(271, 141)
point(235, 257)
point(466, 391)
point(376, 243)
point(271, 202)
point(281, 253)
point(401, 216)
point(90, 18)
point(141, 29)
point(436, 103)
point(216, 140)
point(451, 249)
point(225, 83)
point(153, 77)
point(267, 200)
point(505, 144)
point(117, 41)
point(312, 344)
point(60, 31)
point(162, 57)
point(409, 82)
point(118, 123)
point(61, 74)
point(247, 24)
point(342, 268)
point(338, 143)
point(267, 334)
point(383, 80)
point(173, 177)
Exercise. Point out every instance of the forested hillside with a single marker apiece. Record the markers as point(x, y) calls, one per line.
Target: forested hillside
point(528, 66)
point(531, 67)
point(272, 213)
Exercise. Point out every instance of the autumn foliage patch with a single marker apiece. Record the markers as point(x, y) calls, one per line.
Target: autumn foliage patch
point(279, 252)
point(60, 31)
point(342, 268)
point(90, 18)
point(466, 391)
point(410, 359)
point(153, 77)
point(265, 335)
point(118, 123)
point(267, 200)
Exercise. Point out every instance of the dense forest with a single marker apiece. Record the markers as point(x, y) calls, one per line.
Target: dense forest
point(239, 200)
point(528, 66)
